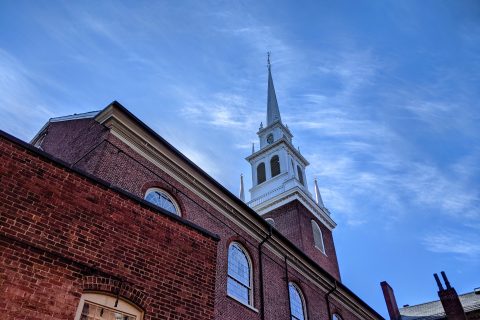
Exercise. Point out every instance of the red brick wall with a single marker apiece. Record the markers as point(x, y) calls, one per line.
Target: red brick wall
point(62, 233)
point(293, 220)
point(118, 164)
point(71, 140)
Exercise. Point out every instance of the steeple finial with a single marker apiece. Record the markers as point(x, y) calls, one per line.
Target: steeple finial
point(242, 192)
point(273, 113)
point(318, 196)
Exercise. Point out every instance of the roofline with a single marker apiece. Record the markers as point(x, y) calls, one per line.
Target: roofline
point(103, 183)
point(75, 116)
point(433, 301)
point(239, 202)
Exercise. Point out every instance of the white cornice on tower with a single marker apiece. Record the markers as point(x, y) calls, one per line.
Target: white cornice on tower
point(275, 144)
point(281, 197)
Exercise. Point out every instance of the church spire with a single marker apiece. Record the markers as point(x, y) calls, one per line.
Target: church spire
point(273, 113)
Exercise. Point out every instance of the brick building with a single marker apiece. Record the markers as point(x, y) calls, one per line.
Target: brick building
point(275, 256)
point(71, 244)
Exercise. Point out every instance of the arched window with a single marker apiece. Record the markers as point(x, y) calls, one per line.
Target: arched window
point(275, 165)
point(100, 306)
point(297, 303)
point(270, 221)
point(300, 174)
point(318, 237)
point(261, 173)
point(239, 282)
point(336, 316)
point(163, 200)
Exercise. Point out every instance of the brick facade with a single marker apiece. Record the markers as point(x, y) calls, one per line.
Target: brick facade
point(111, 159)
point(294, 221)
point(63, 233)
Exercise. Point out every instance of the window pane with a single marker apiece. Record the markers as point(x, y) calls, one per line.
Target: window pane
point(317, 236)
point(261, 173)
point(238, 291)
point(296, 303)
point(238, 267)
point(275, 166)
point(161, 200)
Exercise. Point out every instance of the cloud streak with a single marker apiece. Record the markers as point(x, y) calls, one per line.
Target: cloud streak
point(20, 98)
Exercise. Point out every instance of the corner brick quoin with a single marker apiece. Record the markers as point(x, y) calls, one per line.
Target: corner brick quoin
point(63, 233)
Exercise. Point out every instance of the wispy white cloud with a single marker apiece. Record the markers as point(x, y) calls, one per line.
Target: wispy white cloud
point(228, 111)
point(447, 241)
point(21, 102)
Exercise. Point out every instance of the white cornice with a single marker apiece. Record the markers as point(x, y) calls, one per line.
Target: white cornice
point(290, 195)
point(280, 141)
point(277, 123)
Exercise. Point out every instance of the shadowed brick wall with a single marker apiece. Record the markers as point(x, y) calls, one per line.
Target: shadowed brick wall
point(62, 234)
point(294, 221)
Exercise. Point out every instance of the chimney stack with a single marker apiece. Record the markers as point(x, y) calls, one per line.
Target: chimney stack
point(447, 283)
point(439, 283)
point(390, 301)
point(449, 299)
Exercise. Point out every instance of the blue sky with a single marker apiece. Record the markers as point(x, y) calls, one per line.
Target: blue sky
point(381, 96)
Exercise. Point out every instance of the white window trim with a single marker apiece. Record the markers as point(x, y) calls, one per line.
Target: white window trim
point(250, 291)
point(169, 196)
point(302, 297)
point(108, 301)
point(251, 307)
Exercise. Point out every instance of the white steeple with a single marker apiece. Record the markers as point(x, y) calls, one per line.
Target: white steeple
point(277, 166)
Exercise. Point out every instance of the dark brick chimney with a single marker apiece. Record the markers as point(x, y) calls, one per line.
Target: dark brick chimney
point(449, 298)
point(390, 301)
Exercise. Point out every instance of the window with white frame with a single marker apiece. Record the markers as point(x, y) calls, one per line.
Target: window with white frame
point(297, 303)
point(98, 306)
point(163, 200)
point(239, 283)
point(318, 236)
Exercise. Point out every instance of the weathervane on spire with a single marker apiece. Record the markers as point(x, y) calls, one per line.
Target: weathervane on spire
point(268, 59)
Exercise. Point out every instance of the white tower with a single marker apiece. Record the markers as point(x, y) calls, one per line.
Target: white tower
point(278, 168)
